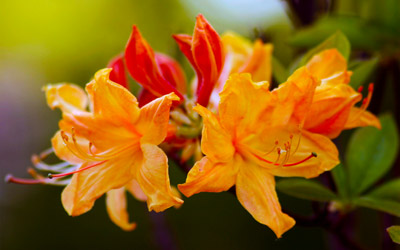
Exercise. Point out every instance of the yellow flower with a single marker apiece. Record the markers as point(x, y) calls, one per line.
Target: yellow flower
point(115, 146)
point(243, 56)
point(333, 107)
point(255, 136)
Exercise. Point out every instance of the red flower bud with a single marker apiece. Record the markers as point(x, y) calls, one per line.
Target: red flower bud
point(204, 51)
point(142, 65)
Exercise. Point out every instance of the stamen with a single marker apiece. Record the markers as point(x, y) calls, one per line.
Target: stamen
point(77, 151)
point(36, 161)
point(279, 155)
point(11, 179)
point(51, 176)
point(313, 154)
point(365, 103)
point(360, 89)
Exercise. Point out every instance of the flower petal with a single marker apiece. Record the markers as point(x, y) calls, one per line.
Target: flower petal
point(244, 104)
point(112, 101)
point(361, 118)
point(259, 63)
point(294, 98)
point(330, 109)
point(118, 73)
point(330, 67)
point(116, 208)
point(216, 143)
point(85, 187)
point(255, 189)
point(134, 188)
point(67, 97)
point(154, 117)
point(209, 176)
point(153, 178)
point(141, 63)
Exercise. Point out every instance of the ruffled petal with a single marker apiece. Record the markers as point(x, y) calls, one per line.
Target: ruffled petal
point(216, 143)
point(153, 120)
point(85, 187)
point(209, 176)
point(153, 179)
point(330, 109)
point(361, 118)
point(259, 63)
point(294, 98)
point(330, 67)
point(111, 100)
point(255, 189)
point(67, 97)
point(116, 209)
point(244, 104)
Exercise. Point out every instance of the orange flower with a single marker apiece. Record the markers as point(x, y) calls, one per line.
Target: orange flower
point(255, 136)
point(243, 56)
point(115, 146)
point(334, 100)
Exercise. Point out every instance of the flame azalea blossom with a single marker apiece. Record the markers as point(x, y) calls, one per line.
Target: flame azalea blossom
point(333, 107)
point(243, 56)
point(249, 142)
point(115, 145)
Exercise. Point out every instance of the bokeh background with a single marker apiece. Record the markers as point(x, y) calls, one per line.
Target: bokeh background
point(51, 41)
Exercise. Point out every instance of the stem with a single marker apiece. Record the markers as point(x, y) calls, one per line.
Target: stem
point(162, 233)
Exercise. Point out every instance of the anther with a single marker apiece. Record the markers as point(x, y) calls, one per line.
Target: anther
point(360, 89)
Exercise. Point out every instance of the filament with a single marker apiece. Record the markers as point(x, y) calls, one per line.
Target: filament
point(51, 176)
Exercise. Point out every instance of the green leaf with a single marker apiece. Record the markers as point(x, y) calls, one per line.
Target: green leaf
point(279, 72)
point(363, 71)
point(394, 232)
point(305, 189)
point(385, 198)
point(387, 206)
point(340, 178)
point(370, 154)
point(360, 33)
point(337, 40)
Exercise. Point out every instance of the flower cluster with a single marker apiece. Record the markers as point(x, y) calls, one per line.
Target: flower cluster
point(240, 132)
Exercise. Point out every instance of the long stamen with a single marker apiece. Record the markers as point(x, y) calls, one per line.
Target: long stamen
point(272, 150)
point(365, 102)
point(279, 155)
point(11, 179)
point(313, 154)
point(51, 176)
point(36, 161)
point(75, 148)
